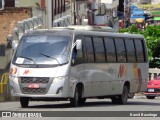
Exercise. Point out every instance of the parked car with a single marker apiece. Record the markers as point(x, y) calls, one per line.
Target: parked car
point(153, 88)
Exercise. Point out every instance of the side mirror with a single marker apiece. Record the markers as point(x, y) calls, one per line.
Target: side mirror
point(78, 44)
point(13, 43)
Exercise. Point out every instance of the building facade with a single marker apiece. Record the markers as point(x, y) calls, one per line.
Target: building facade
point(104, 12)
point(47, 8)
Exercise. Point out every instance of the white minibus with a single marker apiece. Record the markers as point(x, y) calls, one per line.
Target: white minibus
point(76, 64)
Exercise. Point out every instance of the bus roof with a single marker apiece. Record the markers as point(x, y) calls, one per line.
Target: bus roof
point(87, 28)
point(48, 32)
point(110, 34)
point(97, 30)
point(81, 30)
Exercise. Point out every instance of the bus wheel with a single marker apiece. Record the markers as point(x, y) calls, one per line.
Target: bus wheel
point(82, 101)
point(124, 97)
point(75, 99)
point(121, 99)
point(150, 97)
point(24, 102)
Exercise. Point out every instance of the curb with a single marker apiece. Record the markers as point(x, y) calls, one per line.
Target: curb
point(139, 97)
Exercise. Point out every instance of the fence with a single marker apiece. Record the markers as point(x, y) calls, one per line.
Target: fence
point(24, 26)
point(13, 39)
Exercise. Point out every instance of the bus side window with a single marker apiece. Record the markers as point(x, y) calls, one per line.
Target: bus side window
point(121, 52)
point(89, 49)
point(131, 55)
point(110, 49)
point(139, 50)
point(99, 49)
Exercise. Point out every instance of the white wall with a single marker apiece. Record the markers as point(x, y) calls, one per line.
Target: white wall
point(154, 2)
point(110, 5)
point(35, 10)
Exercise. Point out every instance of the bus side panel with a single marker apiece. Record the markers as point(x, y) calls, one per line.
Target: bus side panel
point(108, 79)
point(140, 77)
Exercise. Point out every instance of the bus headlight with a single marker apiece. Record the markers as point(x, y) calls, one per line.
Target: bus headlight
point(57, 79)
point(13, 78)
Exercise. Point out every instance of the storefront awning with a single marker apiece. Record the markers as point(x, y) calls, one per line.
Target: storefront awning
point(139, 20)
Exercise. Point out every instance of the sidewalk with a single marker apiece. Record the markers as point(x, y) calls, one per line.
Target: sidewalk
point(141, 96)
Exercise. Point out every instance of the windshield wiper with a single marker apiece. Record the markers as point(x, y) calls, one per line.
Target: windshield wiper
point(54, 58)
point(29, 59)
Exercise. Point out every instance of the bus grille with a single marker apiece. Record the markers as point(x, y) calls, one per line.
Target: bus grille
point(44, 83)
point(43, 80)
point(33, 91)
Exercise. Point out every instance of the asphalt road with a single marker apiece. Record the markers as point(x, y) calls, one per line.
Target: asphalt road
point(94, 108)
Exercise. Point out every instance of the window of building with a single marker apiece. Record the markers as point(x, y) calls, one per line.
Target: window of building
point(9, 3)
point(99, 49)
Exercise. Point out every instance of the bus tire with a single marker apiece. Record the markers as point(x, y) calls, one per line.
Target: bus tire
point(124, 97)
point(24, 102)
point(75, 99)
point(121, 99)
point(150, 97)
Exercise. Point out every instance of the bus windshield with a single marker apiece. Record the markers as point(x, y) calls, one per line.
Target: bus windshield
point(43, 50)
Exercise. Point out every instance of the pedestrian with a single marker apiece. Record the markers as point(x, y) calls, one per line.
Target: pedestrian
point(120, 24)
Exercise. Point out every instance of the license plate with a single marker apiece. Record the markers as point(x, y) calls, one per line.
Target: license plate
point(34, 85)
point(150, 90)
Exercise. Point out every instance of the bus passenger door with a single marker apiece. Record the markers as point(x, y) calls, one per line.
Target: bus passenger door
point(79, 68)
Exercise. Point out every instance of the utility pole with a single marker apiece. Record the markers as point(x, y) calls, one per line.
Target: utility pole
point(74, 12)
point(49, 9)
point(124, 13)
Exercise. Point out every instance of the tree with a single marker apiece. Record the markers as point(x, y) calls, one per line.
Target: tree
point(152, 37)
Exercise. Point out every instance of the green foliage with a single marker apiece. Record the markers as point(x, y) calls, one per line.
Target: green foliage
point(152, 37)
